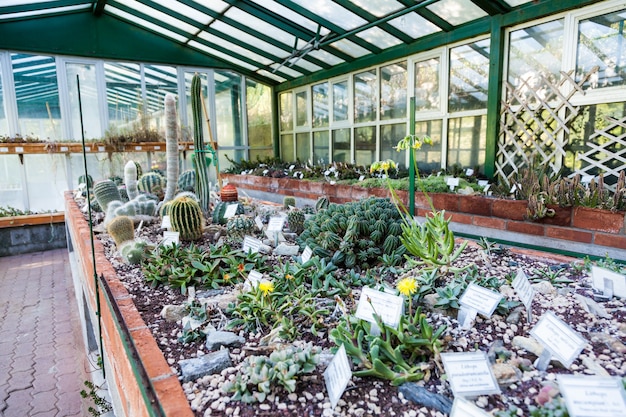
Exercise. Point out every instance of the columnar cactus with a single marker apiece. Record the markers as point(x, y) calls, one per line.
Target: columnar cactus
point(121, 229)
point(130, 179)
point(202, 175)
point(106, 191)
point(153, 183)
point(186, 218)
point(171, 146)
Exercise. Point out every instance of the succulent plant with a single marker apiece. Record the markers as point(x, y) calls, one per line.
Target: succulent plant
point(186, 218)
point(86, 180)
point(171, 145)
point(187, 181)
point(106, 191)
point(130, 179)
point(220, 210)
point(121, 229)
point(322, 203)
point(153, 183)
point(240, 225)
point(289, 202)
point(133, 252)
point(295, 218)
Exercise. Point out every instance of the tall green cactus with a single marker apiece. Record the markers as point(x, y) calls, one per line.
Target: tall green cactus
point(202, 175)
point(130, 179)
point(171, 146)
point(186, 218)
point(106, 191)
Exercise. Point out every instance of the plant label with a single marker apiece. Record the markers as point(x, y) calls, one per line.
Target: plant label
point(605, 280)
point(156, 148)
point(524, 290)
point(466, 317)
point(337, 376)
point(452, 183)
point(388, 306)
point(593, 396)
point(138, 148)
point(483, 183)
point(276, 224)
point(166, 223)
point(19, 149)
point(481, 299)
point(469, 172)
point(170, 238)
point(361, 178)
point(306, 254)
point(251, 244)
point(64, 149)
point(4, 149)
point(469, 374)
point(230, 211)
point(258, 222)
point(252, 281)
point(101, 148)
point(513, 189)
point(463, 408)
point(586, 179)
point(559, 338)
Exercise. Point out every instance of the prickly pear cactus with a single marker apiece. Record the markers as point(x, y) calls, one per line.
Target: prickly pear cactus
point(295, 218)
point(121, 229)
point(186, 218)
point(105, 192)
point(240, 225)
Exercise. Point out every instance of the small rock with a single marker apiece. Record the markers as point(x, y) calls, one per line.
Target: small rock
point(592, 307)
point(285, 249)
point(422, 396)
point(506, 374)
point(211, 363)
point(594, 367)
point(215, 340)
point(173, 313)
point(544, 287)
point(528, 344)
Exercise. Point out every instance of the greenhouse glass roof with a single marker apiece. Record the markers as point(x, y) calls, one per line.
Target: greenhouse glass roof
point(280, 41)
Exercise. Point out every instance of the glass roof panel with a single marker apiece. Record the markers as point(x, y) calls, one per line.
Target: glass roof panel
point(39, 12)
point(379, 37)
point(333, 13)
point(289, 14)
point(216, 5)
point(350, 48)
point(163, 17)
point(327, 57)
point(379, 8)
point(235, 48)
point(309, 66)
point(261, 26)
point(185, 10)
point(514, 3)
point(23, 2)
point(249, 39)
point(457, 12)
point(148, 25)
point(285, 69)
point(414, 25)
point(220, 55)
point(271, 75)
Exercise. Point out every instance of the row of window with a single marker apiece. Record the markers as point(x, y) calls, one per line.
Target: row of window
point(360, 116)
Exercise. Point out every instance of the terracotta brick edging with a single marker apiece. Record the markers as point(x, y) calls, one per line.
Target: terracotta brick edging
point(124, 383)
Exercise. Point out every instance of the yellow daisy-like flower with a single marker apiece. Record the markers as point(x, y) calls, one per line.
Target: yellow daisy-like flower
point(407, 286)
point(266, 286)
point(226, 277)
point(288, 277)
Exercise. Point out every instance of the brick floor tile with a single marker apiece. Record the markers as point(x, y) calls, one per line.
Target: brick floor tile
point(18, 403)
point(44, 402)
point(20, 380)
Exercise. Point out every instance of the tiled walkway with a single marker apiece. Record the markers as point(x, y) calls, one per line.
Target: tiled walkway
point(42, 365)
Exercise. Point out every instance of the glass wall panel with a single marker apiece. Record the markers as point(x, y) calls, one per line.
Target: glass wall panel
point(4, 124)
point(303, 147)
point(428, 158)
point(287, 148)
point(321, 147)
point(285, 111)
point(427, 85)
point(160, 80)
point(228, 109)
point(237, 155)
point(390, 135)
point(469, 76)
point(393, 91)
point(123, 84)
point(11, 191)
point(535, 55)
point(46, 181)
point(365, 145)
point(302, 102)
point(601, 43)
point(340, 101)
point(37, 95)
point(320, 105)
point(92, 126)
point(259, 154)
point(365, 96)
point(466, 142)
point(98, 166)
point(259, 112)
point(341, 145)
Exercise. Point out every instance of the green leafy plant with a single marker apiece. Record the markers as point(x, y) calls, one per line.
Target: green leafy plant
point(552, 275)
point(259, 375)
point(100, 405)
point(554, 408)
point(196, 312)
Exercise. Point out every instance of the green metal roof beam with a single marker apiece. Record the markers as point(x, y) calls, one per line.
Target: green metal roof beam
point(98, 7)
point(493, 7)
point(33, 7)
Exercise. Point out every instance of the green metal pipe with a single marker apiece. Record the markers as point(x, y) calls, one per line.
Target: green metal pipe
point(412, 158)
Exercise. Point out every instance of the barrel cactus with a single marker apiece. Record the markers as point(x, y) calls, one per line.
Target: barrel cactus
point(322, 203)
point(121, 229)
point(240, 225)
point(220, 210)
point(187, 181)
point(295, 218)
point(289, 202)
point(153, 183)
point(186, 218)
point(105, 192)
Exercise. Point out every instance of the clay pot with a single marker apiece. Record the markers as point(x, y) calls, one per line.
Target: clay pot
point(229, 193)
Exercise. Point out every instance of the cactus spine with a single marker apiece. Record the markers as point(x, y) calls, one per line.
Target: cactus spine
point(202, 176)
point(289, 202)
point(130, 179)
point(121, 229)
point(171, 146)
point(106, 191)
point(186, 218)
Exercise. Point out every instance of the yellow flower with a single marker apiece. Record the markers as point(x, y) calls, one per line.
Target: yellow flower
point(417, 144)
point(226, 277)
point(385, 166)
point(407, 286)
point(266, 286)
point(428, 140)
point(289, 277)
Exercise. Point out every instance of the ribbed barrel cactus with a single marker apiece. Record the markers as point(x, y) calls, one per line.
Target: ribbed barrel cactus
point(186, 218)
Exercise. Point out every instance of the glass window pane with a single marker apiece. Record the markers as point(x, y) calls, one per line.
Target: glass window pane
point(333, 12)
point(86, 73)
point(259, 108)
point(11, 191)
point(4, 123)
point(340, 101)
point(535, 55)
point(466, 143)
point(601, 43)
point(469, 76)
point(365, 145)
point(123, 83)
point(341, 145)
point(321, 147)
point(287, 148)
point(301, 109)
point(414, 25)
point(303, 147)
point(390, 135)
point(428, 158)
point(46, 179)
point(37, 96)
point(160, 80)
point(98, 166)
point(427, 85)
point(365, 96)
point(393, 91)
point(286, 111)
point(320, 105)
point(260, 154)
point(228, 107)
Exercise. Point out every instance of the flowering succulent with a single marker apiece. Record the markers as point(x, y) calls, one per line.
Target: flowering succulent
point(412, 141)
point(407, 286)
point(266, 287)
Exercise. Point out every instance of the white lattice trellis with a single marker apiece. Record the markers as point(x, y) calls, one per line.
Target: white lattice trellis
point(534, 123)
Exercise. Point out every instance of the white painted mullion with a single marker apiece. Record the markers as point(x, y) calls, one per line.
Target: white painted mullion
point(64, 99)
point(10, 98)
